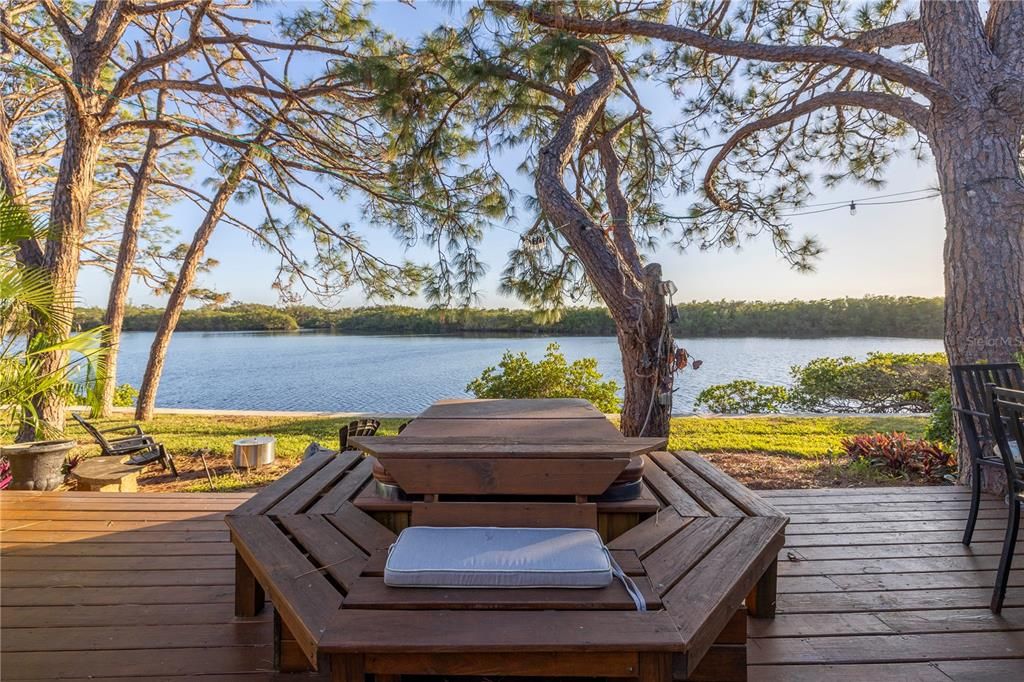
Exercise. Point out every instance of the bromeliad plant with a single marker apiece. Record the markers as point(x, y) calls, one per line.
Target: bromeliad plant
point(899, 455)
point(27, 303)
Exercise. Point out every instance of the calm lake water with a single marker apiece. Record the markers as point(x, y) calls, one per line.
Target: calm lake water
point(337, 373)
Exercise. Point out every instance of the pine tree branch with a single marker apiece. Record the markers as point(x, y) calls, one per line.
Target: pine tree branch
point(70, 90)
point(814, 54)
point(894, 35)
point(1004, 27)
point(60, 20)
point(618, 204)
point(902, 108)
point(130, 76)
point(618, 287)
point(231, 91)
point(144, 8)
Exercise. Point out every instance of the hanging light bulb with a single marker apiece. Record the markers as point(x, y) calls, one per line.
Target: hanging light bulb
point(853, 208)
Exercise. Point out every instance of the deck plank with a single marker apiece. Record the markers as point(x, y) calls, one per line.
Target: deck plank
point(890, 595)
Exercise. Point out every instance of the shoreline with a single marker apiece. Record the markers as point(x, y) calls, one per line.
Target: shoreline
point(284, 414)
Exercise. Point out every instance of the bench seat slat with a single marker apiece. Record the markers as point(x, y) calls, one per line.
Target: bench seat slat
point(430, 631)
point(300, 594)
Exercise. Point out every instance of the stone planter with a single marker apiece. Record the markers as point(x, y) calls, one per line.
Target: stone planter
point(37, 465)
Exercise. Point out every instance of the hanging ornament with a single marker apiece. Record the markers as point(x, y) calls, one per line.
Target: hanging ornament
point(534, 241)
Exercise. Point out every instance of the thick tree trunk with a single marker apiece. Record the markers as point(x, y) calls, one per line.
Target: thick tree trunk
point(984, 307)
point(116, 301)
point(71, 196)
point(977, 159)
point(30, 251)
point(12, 184)
point(186, 280)
point(646, 349)
point(975, 136)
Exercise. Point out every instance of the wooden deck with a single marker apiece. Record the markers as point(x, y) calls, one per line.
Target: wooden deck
point(874, 585)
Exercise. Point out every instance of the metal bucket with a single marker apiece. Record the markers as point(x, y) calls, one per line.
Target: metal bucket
point(252, 453)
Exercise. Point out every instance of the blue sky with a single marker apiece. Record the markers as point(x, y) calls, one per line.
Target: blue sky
point(893, 249)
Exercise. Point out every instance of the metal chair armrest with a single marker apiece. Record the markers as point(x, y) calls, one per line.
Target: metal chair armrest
point(973, 413)
point(131, 444)
point(131, 427)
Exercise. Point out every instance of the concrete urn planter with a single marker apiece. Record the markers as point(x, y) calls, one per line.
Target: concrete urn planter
point(37, 465)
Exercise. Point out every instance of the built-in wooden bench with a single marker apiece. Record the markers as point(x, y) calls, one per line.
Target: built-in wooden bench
point(699, 547)
point(106, 475)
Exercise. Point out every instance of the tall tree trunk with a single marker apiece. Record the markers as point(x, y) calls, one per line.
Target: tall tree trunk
point(116, 301)
point(976, 140)
point(187, 277)
point(646, 348)
point(984, 250)
point(12, 184)
point(631, 291)
point(983, 197)
point(71, 195)
point(30, 251)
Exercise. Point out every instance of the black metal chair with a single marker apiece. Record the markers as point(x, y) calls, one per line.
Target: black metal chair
point(359, 427)
point(1007, 422)
point(972, 407)
point(141, 449)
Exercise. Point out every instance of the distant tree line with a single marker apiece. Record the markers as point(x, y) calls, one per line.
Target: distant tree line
point(871, 316)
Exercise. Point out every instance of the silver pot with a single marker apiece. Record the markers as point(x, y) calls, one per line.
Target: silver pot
point(252, 453)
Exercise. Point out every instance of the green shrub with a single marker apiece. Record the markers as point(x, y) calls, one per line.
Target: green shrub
point(940, 423)
point(125, 395)
point(516, 376)
point(884, 382)
point(743, 396)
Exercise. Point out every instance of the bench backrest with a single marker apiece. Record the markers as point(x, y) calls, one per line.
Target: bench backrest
point(359, 427)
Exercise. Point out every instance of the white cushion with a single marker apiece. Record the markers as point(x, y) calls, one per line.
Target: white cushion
point(427, 556)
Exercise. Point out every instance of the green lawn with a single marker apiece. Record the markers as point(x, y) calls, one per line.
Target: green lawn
point(803, 436)
point(185, 434)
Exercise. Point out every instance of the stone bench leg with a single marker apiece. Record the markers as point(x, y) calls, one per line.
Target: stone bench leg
point(761, 600)
point(249, 597)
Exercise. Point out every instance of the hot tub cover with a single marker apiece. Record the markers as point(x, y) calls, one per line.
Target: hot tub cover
point(428, 556)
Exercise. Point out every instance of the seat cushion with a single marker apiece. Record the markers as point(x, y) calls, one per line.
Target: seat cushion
point(428, 556)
